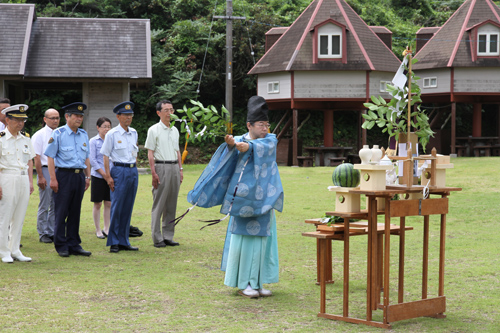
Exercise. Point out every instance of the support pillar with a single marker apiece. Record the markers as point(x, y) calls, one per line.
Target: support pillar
point(328, 128)
point(453, 126)
point(295, 137)
point(498, 121)
point(363, 131)
point(476, 120)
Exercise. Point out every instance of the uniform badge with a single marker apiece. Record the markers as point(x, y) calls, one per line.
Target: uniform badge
point(51, 140)
point(84, 144)
point(119, 141)
point(80, 107)
point(127, 107)
point(21, 109)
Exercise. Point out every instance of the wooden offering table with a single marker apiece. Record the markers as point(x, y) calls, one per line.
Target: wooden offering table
point(325, 234)
point(378, 254)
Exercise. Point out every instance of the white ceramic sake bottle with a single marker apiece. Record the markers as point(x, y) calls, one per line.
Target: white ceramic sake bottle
point(376, 154)
point(365, 154)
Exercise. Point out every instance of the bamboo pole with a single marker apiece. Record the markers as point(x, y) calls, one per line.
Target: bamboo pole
point(408, 128)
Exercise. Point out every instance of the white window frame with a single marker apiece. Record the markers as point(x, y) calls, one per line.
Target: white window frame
point(383, 86)
point(488, 30)
point(329, 30)
point(428, 82)
point(273, 87)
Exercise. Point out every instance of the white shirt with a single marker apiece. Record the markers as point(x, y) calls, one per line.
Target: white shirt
point(163, 141)
point(16, 151)
point(40, 142)
point(2, 126)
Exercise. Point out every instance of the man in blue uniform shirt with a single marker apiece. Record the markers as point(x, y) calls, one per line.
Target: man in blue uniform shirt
point(69, 179)
point(120, 146)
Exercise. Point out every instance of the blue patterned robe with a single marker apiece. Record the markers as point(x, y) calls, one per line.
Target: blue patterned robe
point(247, 185)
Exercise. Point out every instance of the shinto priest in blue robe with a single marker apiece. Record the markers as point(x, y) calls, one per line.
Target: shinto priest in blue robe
point(248, 187)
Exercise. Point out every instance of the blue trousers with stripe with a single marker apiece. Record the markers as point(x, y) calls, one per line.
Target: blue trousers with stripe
point(122, 204)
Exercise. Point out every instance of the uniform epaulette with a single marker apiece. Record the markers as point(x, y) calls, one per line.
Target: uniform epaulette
point(24, 133)
point(2, 133)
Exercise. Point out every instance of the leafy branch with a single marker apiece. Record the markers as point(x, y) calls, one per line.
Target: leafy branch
point(201, 123)
point(392, 115)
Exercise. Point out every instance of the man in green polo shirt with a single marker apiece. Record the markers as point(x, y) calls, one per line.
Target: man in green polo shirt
point(164, 159)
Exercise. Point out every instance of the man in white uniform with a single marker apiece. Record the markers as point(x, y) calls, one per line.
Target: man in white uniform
point(4, 103)
point(45, 220)
point(16, 182)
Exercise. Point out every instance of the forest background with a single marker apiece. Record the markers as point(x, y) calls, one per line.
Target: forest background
point(188, 53)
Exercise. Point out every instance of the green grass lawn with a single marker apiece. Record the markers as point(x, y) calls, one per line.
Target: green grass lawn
point(181, 288)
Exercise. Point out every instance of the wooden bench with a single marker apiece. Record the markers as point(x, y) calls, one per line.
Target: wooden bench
point(334, 161)
point(305, 161)
point(460, 150)
point(477, 150)
point(495, 150)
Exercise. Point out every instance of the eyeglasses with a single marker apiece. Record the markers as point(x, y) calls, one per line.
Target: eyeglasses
point(53, 118)
point(105, 127)
point(263, 125)
point(128, 115)
point(168, 110)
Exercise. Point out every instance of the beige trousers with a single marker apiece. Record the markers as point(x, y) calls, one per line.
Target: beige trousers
point(165, 202)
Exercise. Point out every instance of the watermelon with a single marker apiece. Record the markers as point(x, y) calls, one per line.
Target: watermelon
point(345, 175)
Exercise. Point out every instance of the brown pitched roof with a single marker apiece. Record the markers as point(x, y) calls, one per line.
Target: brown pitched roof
point(450, 46)
point(293, 51)
point(379, 29)
point(89, 48)
point(277, 31)
point(15, 29)
point(428, 30)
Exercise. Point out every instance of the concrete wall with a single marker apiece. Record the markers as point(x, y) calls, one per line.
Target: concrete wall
point(475, 79)
point(285, 84)
point(330, 84)
point(443, 80)
point(101, 98)
point(375, 79)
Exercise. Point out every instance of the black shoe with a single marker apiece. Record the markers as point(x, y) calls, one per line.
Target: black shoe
point(128, 248)
point(45, 239)
point(114, 249)
point(80, 252)
point(101, 237)
point(162, 244)
point(135, 232)
point(104, 234)
point(170, 243)
point(64, 254)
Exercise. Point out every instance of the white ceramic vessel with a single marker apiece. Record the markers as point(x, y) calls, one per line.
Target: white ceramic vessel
point(365, 154)
point(376, 154)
